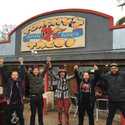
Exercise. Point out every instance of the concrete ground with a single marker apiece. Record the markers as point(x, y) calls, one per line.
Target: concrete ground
point(50, 118)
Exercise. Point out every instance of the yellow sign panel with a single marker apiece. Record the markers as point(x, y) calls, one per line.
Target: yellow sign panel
point(54, 33)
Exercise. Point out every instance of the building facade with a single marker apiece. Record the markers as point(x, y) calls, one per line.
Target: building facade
point(68, 36)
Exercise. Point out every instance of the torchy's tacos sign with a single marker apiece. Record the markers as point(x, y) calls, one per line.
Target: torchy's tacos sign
point(54, 33)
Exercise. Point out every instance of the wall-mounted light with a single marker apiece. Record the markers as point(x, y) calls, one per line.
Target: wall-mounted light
point(34, 52)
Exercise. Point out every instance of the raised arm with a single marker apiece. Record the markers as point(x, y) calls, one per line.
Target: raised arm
point(71, 77)
point(77, 74)
point(47, 66)
point(98, 75)
point(22, 72)
point(45, 69)
point(99, 82)
point(53, 74)
point(21, 69)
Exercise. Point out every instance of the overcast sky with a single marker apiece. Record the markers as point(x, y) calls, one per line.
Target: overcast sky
point(16, 11)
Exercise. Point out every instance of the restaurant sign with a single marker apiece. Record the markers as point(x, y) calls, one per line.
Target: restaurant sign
point(54, 33)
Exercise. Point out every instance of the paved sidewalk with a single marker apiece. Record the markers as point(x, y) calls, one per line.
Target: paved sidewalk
point(51, 118)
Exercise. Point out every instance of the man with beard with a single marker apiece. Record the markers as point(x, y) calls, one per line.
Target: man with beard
point(115, 87)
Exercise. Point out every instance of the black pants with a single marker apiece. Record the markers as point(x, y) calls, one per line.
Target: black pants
point(113, 107)
point(18, 109)
point(36, 104)
point(86, 106)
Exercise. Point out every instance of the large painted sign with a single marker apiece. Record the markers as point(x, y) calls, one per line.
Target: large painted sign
point(54, 33)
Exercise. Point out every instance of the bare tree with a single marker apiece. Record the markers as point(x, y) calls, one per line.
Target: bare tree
point(121, 3)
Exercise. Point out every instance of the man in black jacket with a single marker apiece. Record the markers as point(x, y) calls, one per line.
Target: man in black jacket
point(14, 93)
point(115, 84)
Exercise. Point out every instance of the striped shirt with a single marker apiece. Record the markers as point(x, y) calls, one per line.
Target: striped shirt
point(62, 90)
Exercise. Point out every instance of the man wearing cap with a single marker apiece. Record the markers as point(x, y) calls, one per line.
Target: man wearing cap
point(115, 87)
point(62, 94)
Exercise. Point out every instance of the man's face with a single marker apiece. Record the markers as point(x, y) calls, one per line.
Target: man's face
point(14, 75)
point(36, 71)
point(114, 69)
point(62, 74)
point(86, 75)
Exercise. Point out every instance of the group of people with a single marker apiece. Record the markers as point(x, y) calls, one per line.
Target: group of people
point(113, 82)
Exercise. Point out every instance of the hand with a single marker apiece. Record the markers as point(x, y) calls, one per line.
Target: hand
point(50, 65)
point(49, 62)
point(95, 67)
point(8, 101)
point(76, 67)
point(48, 59)
point(20, 59)
point(1, 61)
point(24, 97)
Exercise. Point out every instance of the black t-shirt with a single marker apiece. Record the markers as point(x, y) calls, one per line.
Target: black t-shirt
point(87, 91)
